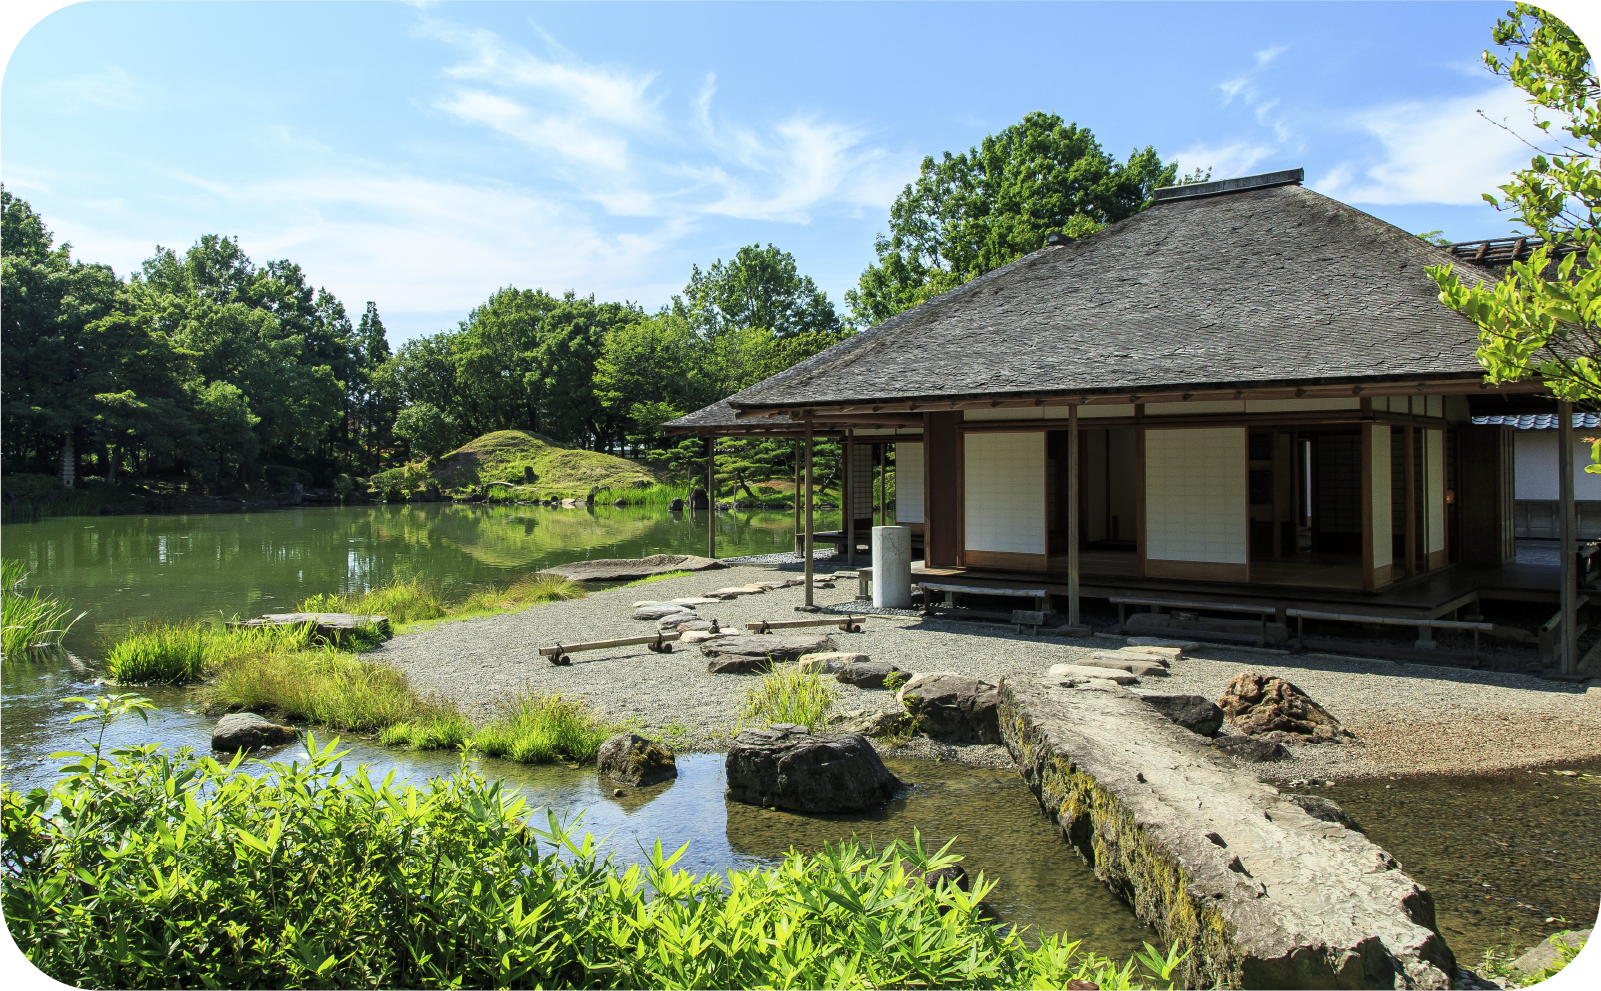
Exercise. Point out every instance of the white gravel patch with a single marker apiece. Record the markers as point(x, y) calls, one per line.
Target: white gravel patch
point(1409, 718)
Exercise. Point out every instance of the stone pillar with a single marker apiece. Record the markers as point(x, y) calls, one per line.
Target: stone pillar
point(892, 567)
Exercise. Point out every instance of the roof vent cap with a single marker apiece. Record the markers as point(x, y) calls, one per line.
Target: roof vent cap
point(1196, 190)
point(1057, 239)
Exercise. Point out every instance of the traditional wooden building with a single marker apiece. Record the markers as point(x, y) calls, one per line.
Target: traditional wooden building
point(1248, 395)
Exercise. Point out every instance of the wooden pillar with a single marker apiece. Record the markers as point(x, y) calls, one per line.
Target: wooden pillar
point(810, 451)
point(1569, 543)
point(1411, 503)
point(711, 497)
point(796, 501)
point(883, 472)
point(1072, 517)
point(847, 490)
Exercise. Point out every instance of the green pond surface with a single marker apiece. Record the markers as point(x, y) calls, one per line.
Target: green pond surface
point(1501, 853)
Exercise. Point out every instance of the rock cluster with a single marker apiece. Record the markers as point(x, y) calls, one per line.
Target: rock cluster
point(634, 760)
point(788, 768)
point(1196, 713)
point(1272, 708)
point(754, 653)
point(247, 731)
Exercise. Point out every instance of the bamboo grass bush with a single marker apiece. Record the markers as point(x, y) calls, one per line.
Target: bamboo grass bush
point(157, 870)
point(541, 729)
point(30, 622)
point(789, 695)
point(172, 653)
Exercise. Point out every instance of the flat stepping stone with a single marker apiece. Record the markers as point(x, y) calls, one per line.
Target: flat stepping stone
point(830, 663)
point(684, 622)
point(696, 600)
point(662, 612)
point(1167, 655)
point(765, 649)
point(729, 593)
point(1137, 666)
point(626, 569)
point(1182, 645)
point(701, 636)
point(1085, 672)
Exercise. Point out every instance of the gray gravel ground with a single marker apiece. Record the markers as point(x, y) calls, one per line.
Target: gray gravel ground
point(1409, 718)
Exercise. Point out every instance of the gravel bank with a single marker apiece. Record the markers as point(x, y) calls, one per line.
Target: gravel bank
point(1409, 718)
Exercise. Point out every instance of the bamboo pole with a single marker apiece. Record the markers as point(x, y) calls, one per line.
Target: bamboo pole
point(1570, 591)
point(810, 451)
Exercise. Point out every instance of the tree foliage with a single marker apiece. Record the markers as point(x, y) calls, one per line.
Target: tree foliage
point(1544, 317)
point(973, 212)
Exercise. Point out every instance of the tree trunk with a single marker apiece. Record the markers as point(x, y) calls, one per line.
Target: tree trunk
point(111, 463)
point(69, 462)
point(740, 478)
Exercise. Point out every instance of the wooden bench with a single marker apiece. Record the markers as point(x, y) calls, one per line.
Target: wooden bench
point(1302, 615)
point(1263, 611)
point(1039, 595)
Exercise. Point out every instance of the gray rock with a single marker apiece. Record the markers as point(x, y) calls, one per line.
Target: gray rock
point(869, 674)
point(831, 663)
point(1075, 672)
point(676, 506)
point(765, 649)
point(247, 731)
point(788, 768)
point(663, 610)
point(1322, 809)
point(1261, 705)
point(1546, 954)
point(634, 760)
point(952, 707)
point(950, 875)
point(1303, 904)
point(869, 722)
point(686, 624)
point(1250, 749)
point(626, 569)
point(1196, 713)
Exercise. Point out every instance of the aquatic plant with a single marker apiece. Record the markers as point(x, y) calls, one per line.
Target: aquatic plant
point(324, 686)
point(542, 729)
point(30, 622)
point(789, 695)
point(526, 591)
point(403, 600)
point(305, 876)
point(173, 653)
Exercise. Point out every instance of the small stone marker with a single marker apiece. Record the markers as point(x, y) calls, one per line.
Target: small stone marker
point(1081, 671)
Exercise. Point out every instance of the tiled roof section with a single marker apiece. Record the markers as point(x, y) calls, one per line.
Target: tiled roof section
point(1499, 252)
point(1539, 421)
point(1276, 286)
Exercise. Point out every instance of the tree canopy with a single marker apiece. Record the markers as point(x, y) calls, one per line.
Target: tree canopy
point(973, 212)
point(1544, 318)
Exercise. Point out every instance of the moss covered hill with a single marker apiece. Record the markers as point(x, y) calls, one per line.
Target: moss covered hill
point(505, 456)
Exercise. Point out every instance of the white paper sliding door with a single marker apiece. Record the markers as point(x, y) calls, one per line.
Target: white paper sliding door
point(1197, 522)
point(1004, 500)
point(908, 482)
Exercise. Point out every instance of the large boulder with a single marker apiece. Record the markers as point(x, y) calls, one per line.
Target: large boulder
point(1196, 713)
point(871, 674)
point(952, 707)
point(786, 767)
point(1268, 706)
point(247, 731)
point(756, 652)
point(634, 760)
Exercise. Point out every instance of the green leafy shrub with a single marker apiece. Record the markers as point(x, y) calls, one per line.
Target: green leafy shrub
point(150, 870)
point(789, 695)
point(30, 622)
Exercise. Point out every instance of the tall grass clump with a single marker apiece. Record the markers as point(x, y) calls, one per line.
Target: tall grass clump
point(403, 600)
point(526, 591)
point(305, 876)
point(789, 695)
point(173, 653)
point(543, 729)
point(30, 621)
point(323, 686)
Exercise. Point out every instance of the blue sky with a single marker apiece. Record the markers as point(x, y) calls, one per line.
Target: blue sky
point(424, 155)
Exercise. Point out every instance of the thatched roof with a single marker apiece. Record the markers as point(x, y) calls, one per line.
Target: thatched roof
point(1267, 287)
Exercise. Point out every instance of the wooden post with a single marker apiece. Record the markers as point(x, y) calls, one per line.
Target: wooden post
point(1072, 516)
point(810, 450)
point(847, 489)
point(1369, 511)
point(883, 471)
point(1411, 505)
point(1569, 543)
point(797, 496)
point(711, 497)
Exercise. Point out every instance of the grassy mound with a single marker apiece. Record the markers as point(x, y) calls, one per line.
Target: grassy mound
point(504, 456)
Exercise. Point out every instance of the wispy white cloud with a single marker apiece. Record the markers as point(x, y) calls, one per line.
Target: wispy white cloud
point(1223, 161)
point(112, 88)
point(1436, 152)
point(1270, 53)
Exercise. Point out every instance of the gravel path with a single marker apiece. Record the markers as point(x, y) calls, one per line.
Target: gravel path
point(1409, 718)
